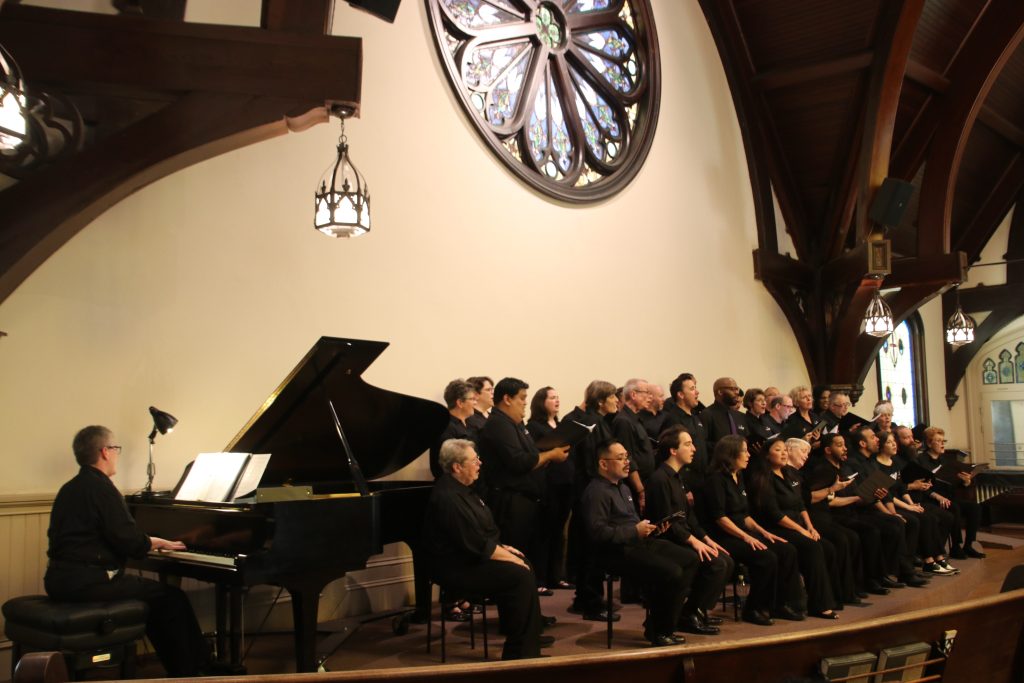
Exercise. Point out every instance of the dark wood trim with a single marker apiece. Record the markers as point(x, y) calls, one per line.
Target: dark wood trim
point(989, 635)
point(895, 36)
point(996, 206)
point(782, 78)
point(983, 57)
point(314, 17)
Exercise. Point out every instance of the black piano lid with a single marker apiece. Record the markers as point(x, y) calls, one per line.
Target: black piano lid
point(386, 430)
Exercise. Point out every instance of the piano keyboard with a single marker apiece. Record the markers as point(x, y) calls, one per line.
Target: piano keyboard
point(192, 557)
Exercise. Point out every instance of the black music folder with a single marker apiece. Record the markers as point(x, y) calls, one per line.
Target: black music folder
point(949, 470)
point(567, 433)
point(865, 487)
point(915, 471)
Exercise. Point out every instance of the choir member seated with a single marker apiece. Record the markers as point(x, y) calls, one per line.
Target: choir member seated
point(460, 539)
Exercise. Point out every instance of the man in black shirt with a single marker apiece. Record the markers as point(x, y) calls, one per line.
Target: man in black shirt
point(461, 541)
point(512, 469)
point(779, 410)
point(626, 545)
point(92, 535)
point(666, 495)
point(652, 415)
point(460, 397)
point(722, 417)
point(627, 428)
point(682, 409)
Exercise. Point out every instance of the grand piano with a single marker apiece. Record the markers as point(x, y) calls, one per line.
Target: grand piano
point(330, 434)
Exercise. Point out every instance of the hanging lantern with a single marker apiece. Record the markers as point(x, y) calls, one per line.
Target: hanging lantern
point(13, 114)
point(342, 199)
point(878, 317)
point(959, 328)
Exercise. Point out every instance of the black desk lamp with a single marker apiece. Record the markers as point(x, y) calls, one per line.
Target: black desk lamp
point(163, 423)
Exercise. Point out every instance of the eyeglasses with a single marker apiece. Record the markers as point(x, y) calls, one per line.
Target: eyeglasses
point(472, 461)
point(621, 458)
point(113, 448)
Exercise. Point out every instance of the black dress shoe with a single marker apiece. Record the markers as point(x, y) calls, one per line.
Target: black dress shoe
point(545, 641)
point(823, 615)
point(915, 582)
point(958, 553)
point(547, 621)
point(976, 554)
point(889, 583)
point(788, 613)
point(545, 592)
point(876, 588)
point(709, 619)
point(600, 616)
point(692, 623)
point(663, 640)
point(757, 617)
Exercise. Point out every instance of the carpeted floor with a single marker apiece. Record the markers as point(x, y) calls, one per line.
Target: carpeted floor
point(375, 646)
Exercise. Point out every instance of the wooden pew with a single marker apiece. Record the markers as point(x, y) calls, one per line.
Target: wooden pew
point(989, 646)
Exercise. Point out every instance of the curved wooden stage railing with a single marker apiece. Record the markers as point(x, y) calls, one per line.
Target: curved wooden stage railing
point(989, 647)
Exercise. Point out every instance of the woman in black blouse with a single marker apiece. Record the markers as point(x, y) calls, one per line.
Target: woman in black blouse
point(803, 420)
point(779, 506)
point(934, 523)
point(558, 497)
point(774, 580)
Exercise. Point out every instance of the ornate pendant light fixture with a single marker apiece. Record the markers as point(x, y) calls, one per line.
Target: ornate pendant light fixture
point(878, 317)
point(342, 200)
point(13, 116)
point(960, 326)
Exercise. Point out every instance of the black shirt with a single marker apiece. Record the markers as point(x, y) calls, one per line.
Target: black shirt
point(652, 423)
point(509, 457)
point(557, 473)
point(476, 421)
point(628, 429)
point(609, 515)
point(458, 528)
point(727, 498)
point(455, 430)
point(666, 494)
point(695, 472)
point(583, 455)
point(781, 497)
point(720, 421)
point(796, 426)
point(824, 474)
point(90, 524)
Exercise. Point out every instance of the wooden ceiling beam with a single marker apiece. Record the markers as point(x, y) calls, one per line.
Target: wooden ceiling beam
point(997, 204)
point(979, 63)
point(766, 161)
point(300, 16)
point(896, 37)
point(773, 267)
point(805, 73)
point(57, 47)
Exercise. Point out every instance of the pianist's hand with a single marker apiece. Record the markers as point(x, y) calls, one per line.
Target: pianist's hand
point(163, 544)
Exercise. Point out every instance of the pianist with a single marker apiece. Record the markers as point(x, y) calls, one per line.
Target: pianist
point(461, 540)
point(92, 534)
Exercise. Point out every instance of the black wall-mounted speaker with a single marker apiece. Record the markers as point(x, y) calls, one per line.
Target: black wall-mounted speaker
point(385, 9)
point(890, 202)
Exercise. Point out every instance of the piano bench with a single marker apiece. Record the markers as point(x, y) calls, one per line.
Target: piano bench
point(88, 634)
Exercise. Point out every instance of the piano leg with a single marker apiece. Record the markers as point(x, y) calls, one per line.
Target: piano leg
point(235, 594)
point(305, 603)
point(220, 609)
point(421, 586)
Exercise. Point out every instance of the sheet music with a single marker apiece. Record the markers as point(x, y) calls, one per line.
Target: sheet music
point(212, 477)
point(251, 475)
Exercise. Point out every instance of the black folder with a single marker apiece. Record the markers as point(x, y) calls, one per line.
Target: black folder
point(567, 433)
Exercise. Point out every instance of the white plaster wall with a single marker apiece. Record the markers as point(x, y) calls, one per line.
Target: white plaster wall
point(200, 292)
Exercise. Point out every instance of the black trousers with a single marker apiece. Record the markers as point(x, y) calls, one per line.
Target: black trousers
point(845, 566)
point(870, 544)
point(708, 582)
point(555, 513)
point(663, 569)
point(513, 589)
point(518, 517)
point(813, 567)
point(774, 576)
point(943, 521)
point(171, 624)
point(896, 559)
point(966, 516)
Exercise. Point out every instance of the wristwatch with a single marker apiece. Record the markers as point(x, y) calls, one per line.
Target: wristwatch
point(831, 496)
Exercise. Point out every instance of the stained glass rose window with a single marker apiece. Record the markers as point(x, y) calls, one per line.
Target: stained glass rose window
point(565, 92)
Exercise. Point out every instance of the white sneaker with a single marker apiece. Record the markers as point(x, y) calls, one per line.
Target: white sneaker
point(937, 569)
point(946, 565)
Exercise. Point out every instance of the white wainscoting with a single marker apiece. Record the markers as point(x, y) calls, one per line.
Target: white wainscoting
point(386, 583)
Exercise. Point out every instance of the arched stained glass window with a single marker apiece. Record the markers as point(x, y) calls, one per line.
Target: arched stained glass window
point(565, 92)
point(899, 366)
